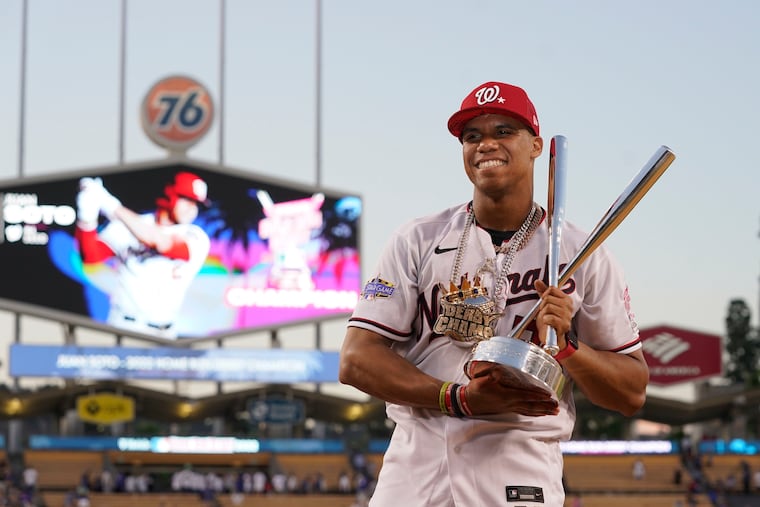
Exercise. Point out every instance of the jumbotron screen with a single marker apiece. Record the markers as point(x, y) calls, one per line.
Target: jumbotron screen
point(177, 249)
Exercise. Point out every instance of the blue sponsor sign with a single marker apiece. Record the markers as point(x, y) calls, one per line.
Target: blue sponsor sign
point(302, 445)
point(73, 443)
point(252, 365)
point(276, 411)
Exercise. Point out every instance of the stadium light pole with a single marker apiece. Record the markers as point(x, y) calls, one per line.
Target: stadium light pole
point(122, 75)
point(21, 131)
point(222, 57)
point(318, 125)
point(222, 61)
point(15, 429)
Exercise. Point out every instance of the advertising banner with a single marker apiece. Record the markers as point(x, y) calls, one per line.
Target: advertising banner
point(105, 408)
point(678, 355)
point(161, 363)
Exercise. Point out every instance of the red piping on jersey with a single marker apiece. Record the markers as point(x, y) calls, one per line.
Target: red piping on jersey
point(627, 345)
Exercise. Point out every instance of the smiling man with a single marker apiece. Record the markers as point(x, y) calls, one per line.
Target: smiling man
point(469, 273)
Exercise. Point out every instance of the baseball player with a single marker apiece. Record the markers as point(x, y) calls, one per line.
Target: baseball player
point(445, 282)
point(158, 254)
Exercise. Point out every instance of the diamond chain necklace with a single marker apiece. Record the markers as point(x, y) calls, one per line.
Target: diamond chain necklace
point(516, 243)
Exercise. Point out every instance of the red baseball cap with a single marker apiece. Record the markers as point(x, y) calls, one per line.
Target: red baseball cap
point(495, 98)
point(189, 186)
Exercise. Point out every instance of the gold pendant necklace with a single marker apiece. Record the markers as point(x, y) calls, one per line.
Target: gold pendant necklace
point(468, 314)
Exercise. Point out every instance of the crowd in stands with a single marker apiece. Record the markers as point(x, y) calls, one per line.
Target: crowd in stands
point(207, 482)
point(358, 479)
point(19, 491)
point(716, 484)
point(702, 481)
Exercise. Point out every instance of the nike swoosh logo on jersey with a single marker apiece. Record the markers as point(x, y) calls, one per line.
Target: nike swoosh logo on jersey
point(440, 250)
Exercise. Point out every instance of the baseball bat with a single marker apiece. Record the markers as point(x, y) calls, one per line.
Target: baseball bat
point(555, 219)
point(628, 199)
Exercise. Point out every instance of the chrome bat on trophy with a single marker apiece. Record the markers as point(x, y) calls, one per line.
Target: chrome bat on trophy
point(632, 194)
point(555, 220)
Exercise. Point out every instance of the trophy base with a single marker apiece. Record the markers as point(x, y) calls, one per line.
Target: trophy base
point(521, 363)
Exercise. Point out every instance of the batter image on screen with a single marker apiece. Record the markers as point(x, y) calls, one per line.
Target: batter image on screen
point(155, 255)
point(449, 281)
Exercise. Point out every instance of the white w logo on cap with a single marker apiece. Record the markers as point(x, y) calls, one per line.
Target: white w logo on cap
point(486, 95)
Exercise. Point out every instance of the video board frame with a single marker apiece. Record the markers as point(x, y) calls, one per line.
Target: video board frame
point(279, 253)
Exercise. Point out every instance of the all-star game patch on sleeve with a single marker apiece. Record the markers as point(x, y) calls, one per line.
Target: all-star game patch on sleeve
point(377, 288)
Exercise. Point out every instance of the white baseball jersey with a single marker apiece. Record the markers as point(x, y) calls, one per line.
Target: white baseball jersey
point(151, 287)
point(438, 460)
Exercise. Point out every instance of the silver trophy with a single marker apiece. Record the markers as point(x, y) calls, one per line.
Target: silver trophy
point(522, 362)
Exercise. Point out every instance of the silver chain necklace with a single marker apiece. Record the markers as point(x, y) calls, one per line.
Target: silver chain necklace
point(516, 243)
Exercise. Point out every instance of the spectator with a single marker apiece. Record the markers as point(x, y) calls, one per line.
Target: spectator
point(186, 480)
point(86, 480)
point(214, 482)
point(246, 481)
point(130, 483)
point(639, 471)
point(320, 484)
point(143, 482)
point(279, 482)
point(730, 483)
point(746, 477)
point(260, 482)
point(361, 483)
point(677, 476)
point(307, 485)
point(121, 478)
point(344, 482)
point(292, 483)
point(686, 447)
point(358, 461)
point(82, 497)
point(30, 477)
point(107, 482)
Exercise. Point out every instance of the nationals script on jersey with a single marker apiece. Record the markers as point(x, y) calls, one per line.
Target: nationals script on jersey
point(402, 302)
point(151, 287)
